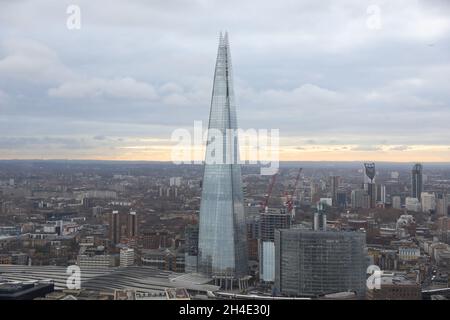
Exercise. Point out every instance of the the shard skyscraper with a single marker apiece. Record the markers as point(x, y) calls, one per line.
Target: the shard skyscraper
point(222, 232)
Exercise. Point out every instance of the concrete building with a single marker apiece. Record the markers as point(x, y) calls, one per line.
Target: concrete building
point(409, 253)
point(114, 227)
point(175, 181)
point(164, 259)
point(395, 287)
point(412, 204)
point(442, 205)
point(191, 247)
point(95, 258)
point(359, 199)
point(396, 202)
point(341, 199)
point(269, 222)
point(127, 257)
point(132, 225)
point(428, 202)
point(381, 194)
point(334, 186)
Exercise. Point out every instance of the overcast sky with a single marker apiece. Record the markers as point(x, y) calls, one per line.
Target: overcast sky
point(336, 84)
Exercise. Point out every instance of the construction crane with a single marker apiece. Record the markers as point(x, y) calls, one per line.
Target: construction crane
point(290, 198)
point(269, 192)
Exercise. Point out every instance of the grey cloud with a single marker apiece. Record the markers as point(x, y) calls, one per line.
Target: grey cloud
point(311, 69)
point(399, 148)
point(52, 142)
point(124, 88)
point(366, 148)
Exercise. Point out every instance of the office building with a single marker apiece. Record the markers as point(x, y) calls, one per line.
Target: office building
point(314, 263)
point(359, 199)
point(175, 181)
point(95, 258)
point(417, 181)
point(428, 202)
point(341, 199)
point(412, 204)
point(369, 183)
point(395, 287)
point(442, 205)
point(253, 231)
point(132, 225)
point(114, 227)
point(334, 185)
point(191, 247)
point(269, 222)
point(126, 257)
point(381, 194)
point(396, 202)
point(222, 233)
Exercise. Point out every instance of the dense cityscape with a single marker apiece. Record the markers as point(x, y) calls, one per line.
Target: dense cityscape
point(337, 186)
point(117, 220)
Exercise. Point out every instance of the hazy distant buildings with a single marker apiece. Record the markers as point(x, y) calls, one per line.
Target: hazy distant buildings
point(417, 181)
point(341, 198)
point(395, 175)
point(175, 181)
point(442, 204)
point(428, 202)
point(381, 194)
point(412, 204)
point(334, 184)
point(359, 199)
point(396, 202)
point(222, 234)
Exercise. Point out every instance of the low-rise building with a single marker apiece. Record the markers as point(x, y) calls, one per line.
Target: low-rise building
point(392, 286)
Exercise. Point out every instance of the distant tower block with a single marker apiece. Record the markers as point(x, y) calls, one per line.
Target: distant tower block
point(417, 181)
point(369, 184)
point(370, 171)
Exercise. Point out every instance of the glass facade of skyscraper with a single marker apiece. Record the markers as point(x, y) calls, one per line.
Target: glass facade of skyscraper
point(222, 234)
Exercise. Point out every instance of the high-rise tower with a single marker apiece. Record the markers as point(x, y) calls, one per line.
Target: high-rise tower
point(369, 183)
point(417, 181)
point(222, 243)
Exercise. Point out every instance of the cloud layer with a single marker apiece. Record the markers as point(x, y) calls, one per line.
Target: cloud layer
point(335, 87)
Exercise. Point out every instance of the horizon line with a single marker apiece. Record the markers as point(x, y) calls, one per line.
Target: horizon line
point(280, 161)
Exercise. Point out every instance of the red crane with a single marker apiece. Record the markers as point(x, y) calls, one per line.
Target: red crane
point(269, 192)
point(290, 198)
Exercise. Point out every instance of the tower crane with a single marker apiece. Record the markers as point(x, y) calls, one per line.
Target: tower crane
point(290, 197)
point(269, 192)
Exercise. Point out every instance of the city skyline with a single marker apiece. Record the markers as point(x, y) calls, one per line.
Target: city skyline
point(224, 155)
point(117, 88)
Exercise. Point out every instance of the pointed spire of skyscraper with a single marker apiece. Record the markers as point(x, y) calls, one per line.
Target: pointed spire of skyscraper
point(222, 230)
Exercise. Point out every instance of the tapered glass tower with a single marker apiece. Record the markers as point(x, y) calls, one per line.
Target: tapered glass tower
point(222, 232)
